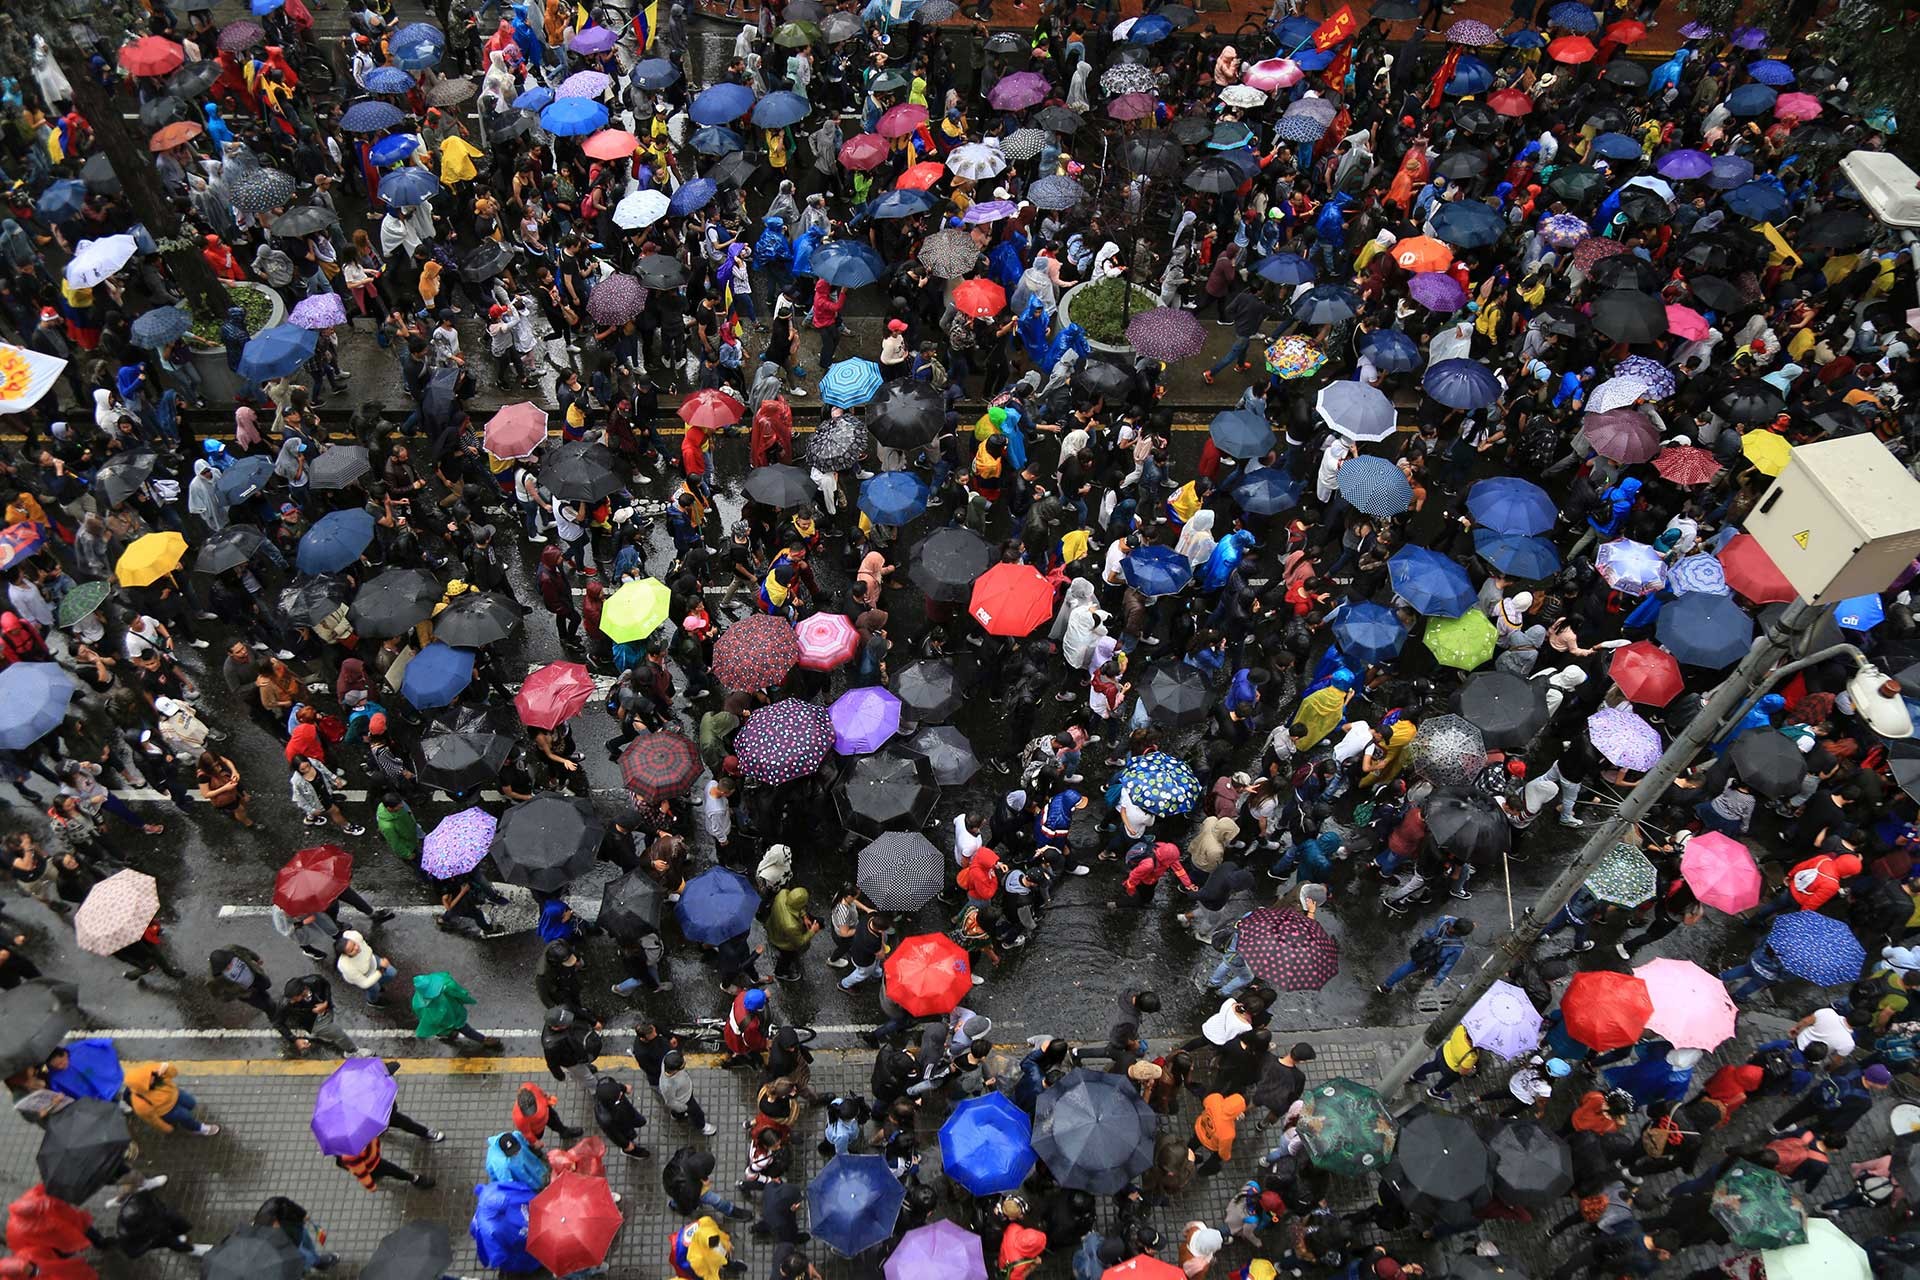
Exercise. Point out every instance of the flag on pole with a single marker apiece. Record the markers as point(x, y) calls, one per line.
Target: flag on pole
point(1335, 29)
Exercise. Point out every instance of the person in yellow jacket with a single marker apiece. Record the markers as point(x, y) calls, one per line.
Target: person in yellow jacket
point(155, 1095)
point(1456, 1058)
point(700, 1250)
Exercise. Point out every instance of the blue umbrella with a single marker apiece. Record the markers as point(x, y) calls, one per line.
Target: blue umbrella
point(1313, 59)
point(1264, 491)
point(894, 497)
point(1684, 164)
point(853, 1203)
point(1295, 30)
point(716, 905)
point(1771, 71)
point(371, 116)
point(1367, 632)
point(1705, 630)
point(1231, 136)
point(1574, 16)
point(1470, 76)
point(654, 73)
point(1241, 433)
point(537, 98)
point(1616, 146)
point(1374, 485)
point(1156, 570)
point(1284, 268)
point(1435, 586)
point(33, 702)
point(1508, 504)
point(902, 204)
point(1461, 384)
point(847, 264)
point(1860, 613)
point(1391, 351)
point(1301, 128)
point(1817, 948)
point(387, 80)
point(93, 1070)
point(499, 1226)
point(409, 186)
point(161, 327)
point(418, 45)
point(1518, 556)
point(436, 676)
point(276, 352)
point(1159, 784)
point(335, 541)
point(692, 197)
point(986, 1145)
point(261, 8)
point(778, 110)
point(392, 149)
point(1524, 39)
point(714, 140)
point(1729, 172)
point(1751, 100)
point(1468, 224)
point(573, 117)
point(245, 479)
point(1759, 200)
point(61, 200)
point(850, 383)
point(719, 103)
point(1149, 28)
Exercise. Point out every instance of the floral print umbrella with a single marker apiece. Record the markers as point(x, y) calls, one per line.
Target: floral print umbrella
point(1624, 877)
point(457, 845)
point(1346, 1127)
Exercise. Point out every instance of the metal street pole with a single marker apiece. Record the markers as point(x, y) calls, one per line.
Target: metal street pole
point(1753, 675)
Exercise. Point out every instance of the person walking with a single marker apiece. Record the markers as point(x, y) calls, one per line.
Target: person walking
point(157, 1098)
point(440, 1007)
point(1433, 954)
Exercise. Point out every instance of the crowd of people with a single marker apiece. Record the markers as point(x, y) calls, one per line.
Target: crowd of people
point(1522, 322)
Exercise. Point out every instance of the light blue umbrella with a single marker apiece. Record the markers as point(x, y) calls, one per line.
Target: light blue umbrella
point(537, 98)
point(1375, 486)
point(715, 140)
point(847, 264)
point(573, 117)
point(335, 541)
point(410, 186)
point(894, 497)
point(387, 80)
point(778, 110)
point(1698, 573)
point(33, 702)
point(692, 196)
point(1517, 556)
point(717, 104)
point(418, 45)
point(1156, 570)
point(850, 383)
point(276, 352)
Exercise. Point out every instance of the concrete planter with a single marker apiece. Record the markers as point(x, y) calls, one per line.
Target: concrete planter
point(1104, 348)
point(221, 384)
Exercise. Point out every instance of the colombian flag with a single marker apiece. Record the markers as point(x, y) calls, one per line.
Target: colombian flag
point(645, 21)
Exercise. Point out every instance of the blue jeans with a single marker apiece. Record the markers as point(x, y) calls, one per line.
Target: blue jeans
point(1231, 974)
point(182, 1117)
point(1751, 983)
point(859, 975)
point(1782, 901)
point(1235, 353)
point(1563, 919)
point(1400, 975)
point(379, 988)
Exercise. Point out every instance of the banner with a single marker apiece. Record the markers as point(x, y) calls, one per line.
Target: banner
point(25, 377)
point(1335, 29)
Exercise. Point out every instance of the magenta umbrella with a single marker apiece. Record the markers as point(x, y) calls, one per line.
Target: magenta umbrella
point(1721, 872)
point(942, 1250)
point(1019, 91)
point(863, 720)
point(354, 1106)
point(901, 120)
point(1691, 1007)
point(1619, 734)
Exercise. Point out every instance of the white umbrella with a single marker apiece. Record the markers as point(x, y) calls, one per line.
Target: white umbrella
point(1242, 95)
point(95, 260)
point(1652, 184)
point(640, 209)
point(1356, 410)
point(976, 160)
point(1616, 393)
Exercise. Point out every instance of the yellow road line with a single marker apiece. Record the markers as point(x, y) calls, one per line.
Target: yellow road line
point(474, 1066)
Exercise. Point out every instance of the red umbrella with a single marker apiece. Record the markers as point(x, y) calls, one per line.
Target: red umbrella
point(1646, 673)
point(610, 144)
point(1686, 465)
point(922, 176)
point(312, 880)
point(928, 974)
point(1594, 249)
point(1510, 102)
point(711, 409)
point(555, 693)
point(571, 1224)
point(1011, 600)
point(1572, 49)
point(1625, 31)
point(1606, 1010)
point(864, 151)
point(152, 56)
point(1752, 573)
point(981, 299)
point(755, 653)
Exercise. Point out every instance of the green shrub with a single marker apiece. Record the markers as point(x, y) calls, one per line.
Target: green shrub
point(1098, 308)
point(255, 304)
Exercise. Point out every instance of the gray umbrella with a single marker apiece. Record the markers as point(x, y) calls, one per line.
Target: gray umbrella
point(261, 191)
point(840, 28)
point(338, 466)
point(1128, 77)
point(1093, 1131)
point(839, 444)
point(900, 871)
point(451, 93)
point(1057, 191)
point(1321, 109)
point(935, 11)
point(304, 220)
point(1024, 144)
point(1447, 750)
point(1356, 410)
point(947, 750)
point(929, 691)
point(1326, 304)
point(952, 253)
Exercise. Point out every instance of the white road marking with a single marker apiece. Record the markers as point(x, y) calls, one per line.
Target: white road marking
point(234, 911)
point(357, 1033)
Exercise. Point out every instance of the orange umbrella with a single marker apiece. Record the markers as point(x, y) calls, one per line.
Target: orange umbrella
point(1573, 49)
point(152, 56)
point(981, 299)
point(1422, 253)
point(177, 134)
point(610, 144)
point(922, 176)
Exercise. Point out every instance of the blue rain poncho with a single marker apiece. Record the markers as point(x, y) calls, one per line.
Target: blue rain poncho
point(1226, 557)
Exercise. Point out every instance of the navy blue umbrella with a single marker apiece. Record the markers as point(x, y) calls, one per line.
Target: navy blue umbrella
point(1264, 491)
point(245, 478)
point(778, 110)
point(1461, 384)
point(1284, 268)
point(1156, 570)
point(692, 197)
point(717, 104)
point(1149, 28)
point(1759, 200)
point(1367, 632)
point(1435, 586)
point(847, 264)
point(33, 702)
point(371, 116)
point(1574, 16)
point(1751, 100)
point(276, 352)
point(1470, 76)
point(1326, 304)
point(1524, 40)
point(1391, 351)
point(161, 327)
point(716, 140)
point(1468, 224)
point(1239, 433)
point(1296, 30)
point(1374, 485)
point(1705, 630)
point(410, 186)
point(853, 1203)
point(894, 497)
point(436, 676)
point(61, 200)
point(336, 540)
point(1769, 71)
point(1729, 172)
point(654, 73)
point(1508, 504)
point(1816, 948)
point(1516, 555)
point(902, 204)
point(1616, 146)
point(387, 80)
point(716, 905)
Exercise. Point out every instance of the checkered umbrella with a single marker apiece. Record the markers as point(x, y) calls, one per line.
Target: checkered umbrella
point(1619, 734)
point(1024, 144)
point(1759, 1208)
point(457, 845)
point(900, 871)
point(261, 191)
point(1624, 877)
point(1287, 948)
point(1168, 334)
point(660, 766)
point(1128, 77)
point(1820, 949)
point(1160, 784)
point(784, 741)
point(117, 912)
point(616, 299)
point(1698, 573)
point(1056, 191)
point(950, 254)
point(1633, 568)
point(1347, 1129)
point(1447, 750)
point(755, 653)
point(838, 445)
point(1301, 128)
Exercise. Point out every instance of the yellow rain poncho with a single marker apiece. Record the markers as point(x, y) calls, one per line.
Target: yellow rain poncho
point(456, 160)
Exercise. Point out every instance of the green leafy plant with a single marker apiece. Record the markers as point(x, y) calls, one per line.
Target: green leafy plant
point(1100, 308)
point(254, 305)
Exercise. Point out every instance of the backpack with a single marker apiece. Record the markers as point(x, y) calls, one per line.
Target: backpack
point(1425, 953)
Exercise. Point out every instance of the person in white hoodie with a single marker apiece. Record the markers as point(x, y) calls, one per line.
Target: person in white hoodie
point(362, 968)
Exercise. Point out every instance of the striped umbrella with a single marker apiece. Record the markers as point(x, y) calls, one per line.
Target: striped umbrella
point(850, 383)
point(1698, 573)
point(826, 640)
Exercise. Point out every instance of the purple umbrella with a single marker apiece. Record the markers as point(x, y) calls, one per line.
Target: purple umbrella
point(1019, 91)
point(1437, 291)
point(594, 40)
point(321, 311)
point(584, 84)
point(1619, 734)
point(354, 1106)
point(1621, 435)
point(942, 1250)
point(457, 845)
point(1472, 32)
point(1167, 333)
point(1696, 30)
point(1684, 164)
point(1659, 379)
point(1503, 1021)
point(617, 299)
point(1750, 38)
point(863, 720)
point(988, 211)
point(1564, 230)
point(1630, 567)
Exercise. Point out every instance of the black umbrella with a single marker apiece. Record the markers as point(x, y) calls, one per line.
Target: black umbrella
point(1093, 1131)
point(781, 485)
point(228, 549)
point(1768, 762)
point(1626, 73)
point(338, 466)
point(1507, 709)
point(34, 1018)
point(1102, 377)
point(547, 842)
point(1707, 253)
point(1471, 1266)
point(162, 110)
point(887, 791)
point(1645, 207)
point(900, 871)
point(1607, 117)
point(1903, 757)
point(905, 414)
point(1840, 229)
point(1576, 182)
point(1467, 825)
point(1627, 315)
point(487, 261)
point(1188, 130)
point(1751, 402)
point(947, 750)
point(1057, 120)
point(461, 761)
point(735, 169)
point(476, 620)
point(1476, 119)
point(658, 271)
point(1626, 271)
point(630, 906)
point(393, 603)
point(581, 472)
point(1562, 319)
point(304, 220)
point(312, 600)
point(1394, 10)
point(254, 1253)
point(193, 79)
point(1215, 175)
point(1712, 291)
point(83, 1149)
point(1440, 1166)
point(1531, 1167)
point(1458, 166)
point(945, 563)
point(122, 475)
point(503, 126)
point(929, 691)
point(418, 1251)
point(1154, 155)
point(1177, 694)
point(99, 176)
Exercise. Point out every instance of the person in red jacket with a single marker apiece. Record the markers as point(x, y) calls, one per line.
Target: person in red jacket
point(534, 1113)
point(694, 457)
point(980, 878)
point(1150, 871)
point(1810, 885)
point(41, 1223)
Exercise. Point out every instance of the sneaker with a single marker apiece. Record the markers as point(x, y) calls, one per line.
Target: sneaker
point(1382, 989)
point(285, 655)
point(707, 1130)
point(1573, 822)
point(207, 1130)
point(1620, 949)
point(536, 537)
point(154, 1183)
point(199, 1250)
point(1462, 894)
point(1081, 870)
point(839, 962)
point(434, 1135)
point(356, 830)
point(1437, 1095)
point(1584, 946)
point(424, 1181)
point(257, 647)
point(198, 644)
point(979, 981)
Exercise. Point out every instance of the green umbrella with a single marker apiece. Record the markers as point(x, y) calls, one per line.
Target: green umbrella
point(1624, 877)
point(887, 81)
point(1346, 1127)
point(1759, 1208)
point(81, 601)
point(793, 35)
point(1464, 642)
point(440, 1004)
point(1827, 1255)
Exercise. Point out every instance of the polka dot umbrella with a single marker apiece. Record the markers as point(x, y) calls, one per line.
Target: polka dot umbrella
point(1160, 784)
point(756, 653)
point(784, 741)
point(1287, 948)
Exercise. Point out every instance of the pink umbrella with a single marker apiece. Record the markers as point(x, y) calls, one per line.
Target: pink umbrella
point(1721, 872)
point(1273, 73)
point(902, 120)
point(1686, 322)
point(1797, 106)
point(1131, 106)
point(1691, 1007)
point(516, 430)
point(826, 640)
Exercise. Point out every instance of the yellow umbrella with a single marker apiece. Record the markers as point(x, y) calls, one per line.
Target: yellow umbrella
point(150, 559)
point(1767, 451)
point(635, 611)
point(1464, 642)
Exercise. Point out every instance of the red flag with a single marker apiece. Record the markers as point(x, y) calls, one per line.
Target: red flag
point(1337, 69)
point(1335, 29)
point(1437, 91)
